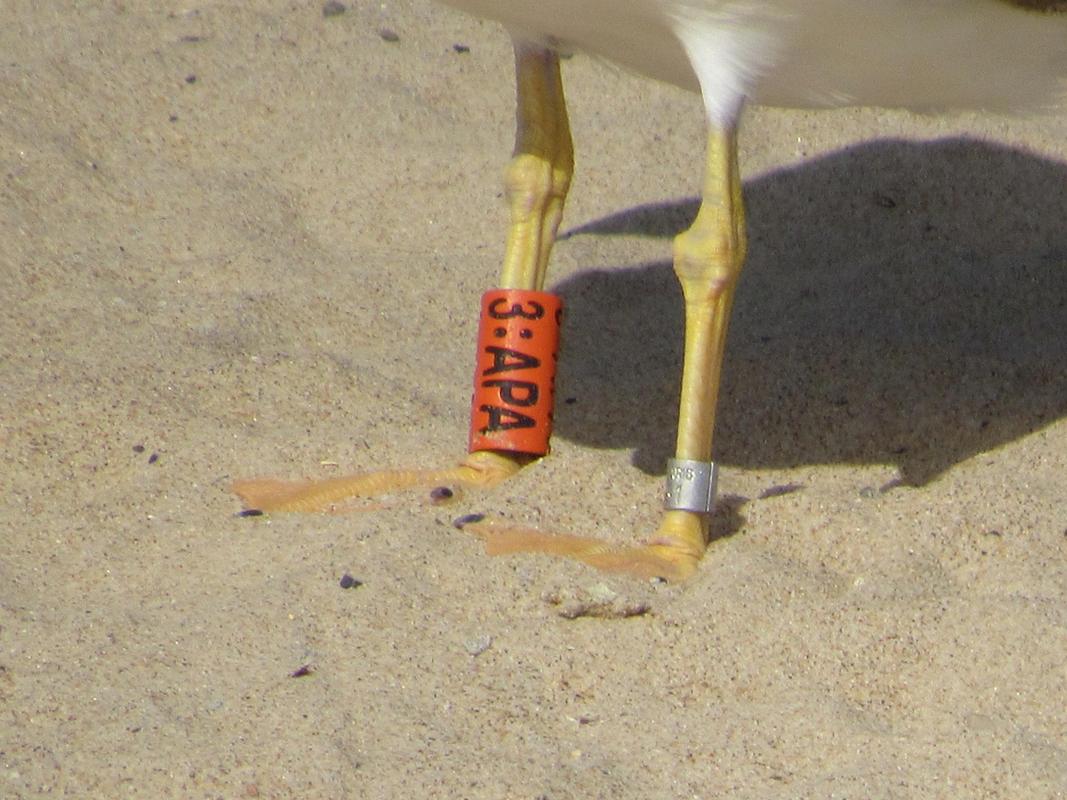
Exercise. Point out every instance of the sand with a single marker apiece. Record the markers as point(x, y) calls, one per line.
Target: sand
point(249, 239)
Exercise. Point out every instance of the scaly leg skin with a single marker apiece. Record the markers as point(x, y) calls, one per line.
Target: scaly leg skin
point(536, 186)
point(707, 259)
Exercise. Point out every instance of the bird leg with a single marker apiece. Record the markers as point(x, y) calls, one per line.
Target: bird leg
point(536, 186)
point(539, 174)
point(707, 260)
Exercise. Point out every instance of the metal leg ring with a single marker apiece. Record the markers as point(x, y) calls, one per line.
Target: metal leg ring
point(691, 485)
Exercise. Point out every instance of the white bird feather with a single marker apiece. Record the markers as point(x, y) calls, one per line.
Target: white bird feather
point(992, 55)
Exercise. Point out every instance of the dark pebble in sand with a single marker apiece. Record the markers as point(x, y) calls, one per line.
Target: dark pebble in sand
point(347, 581)
point(467, 519)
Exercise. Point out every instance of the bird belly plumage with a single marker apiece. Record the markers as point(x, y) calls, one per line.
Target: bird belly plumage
point(924, 54)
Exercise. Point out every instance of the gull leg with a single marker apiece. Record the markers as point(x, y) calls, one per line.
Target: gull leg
point(539, 174)
point(536, 183)
point(707, 260)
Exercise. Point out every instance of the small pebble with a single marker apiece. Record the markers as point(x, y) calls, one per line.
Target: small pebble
point(250, 512)
point(138, 448)
point(893, 483)
point(302, 672)
point(440, 494)
point(601, 593)
point(332, 8)
point(347, 581)
point(478, 645)
point(461, 48)
point(152, 459)
point(389, 35)
point(779, 490)
point(467, 519)
point(867, 492)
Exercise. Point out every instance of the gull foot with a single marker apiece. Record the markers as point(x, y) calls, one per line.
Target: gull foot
point(672, 554)
point(337, 495)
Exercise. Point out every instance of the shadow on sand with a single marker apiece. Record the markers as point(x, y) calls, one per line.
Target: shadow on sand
point(902, 303)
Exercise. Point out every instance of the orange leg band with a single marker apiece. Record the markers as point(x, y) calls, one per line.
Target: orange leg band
point(515, 372)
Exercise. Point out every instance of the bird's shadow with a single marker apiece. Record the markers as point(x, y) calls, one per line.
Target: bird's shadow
point(903, 303)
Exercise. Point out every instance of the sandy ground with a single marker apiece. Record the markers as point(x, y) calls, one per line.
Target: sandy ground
point(245, 239)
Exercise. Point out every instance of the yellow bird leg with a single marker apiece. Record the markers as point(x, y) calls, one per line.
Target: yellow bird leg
point(536, 186)
point(707, 260)
point(539, 174)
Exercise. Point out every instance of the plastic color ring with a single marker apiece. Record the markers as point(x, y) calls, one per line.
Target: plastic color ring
point(691, 485)
point(515, 371)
